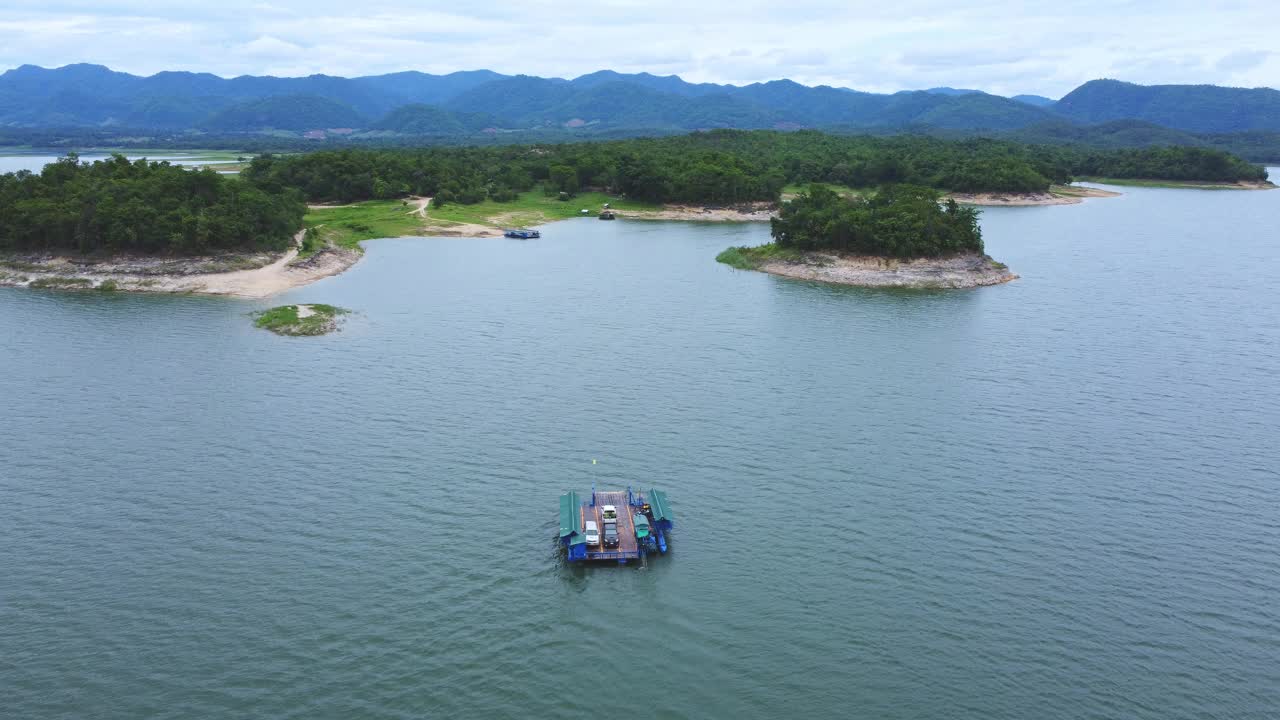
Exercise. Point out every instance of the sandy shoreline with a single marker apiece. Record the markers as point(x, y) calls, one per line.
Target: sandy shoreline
point(962, 271)
point(748, 212)
point(1060, 195)
point(275, 274)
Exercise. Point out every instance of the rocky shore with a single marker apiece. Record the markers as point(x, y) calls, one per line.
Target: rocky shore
point(960, 271)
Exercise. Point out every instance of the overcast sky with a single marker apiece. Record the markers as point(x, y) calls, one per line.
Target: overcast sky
point(877, 46)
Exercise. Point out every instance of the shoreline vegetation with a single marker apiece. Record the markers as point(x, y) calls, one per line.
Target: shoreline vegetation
point(151, 226)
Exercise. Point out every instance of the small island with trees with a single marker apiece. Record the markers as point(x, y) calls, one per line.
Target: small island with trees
point(899, 236)
point(301, 320)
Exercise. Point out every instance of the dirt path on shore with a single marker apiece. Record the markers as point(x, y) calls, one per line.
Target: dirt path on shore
point(420, 206)
point(260, 282)
point(449, 228)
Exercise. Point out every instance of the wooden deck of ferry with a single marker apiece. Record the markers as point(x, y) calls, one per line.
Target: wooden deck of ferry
point(627, 546)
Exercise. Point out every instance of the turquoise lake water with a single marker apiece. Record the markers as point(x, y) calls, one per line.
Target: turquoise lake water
point(1055, 498)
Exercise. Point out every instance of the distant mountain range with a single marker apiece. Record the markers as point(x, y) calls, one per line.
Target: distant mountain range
point(418, 104)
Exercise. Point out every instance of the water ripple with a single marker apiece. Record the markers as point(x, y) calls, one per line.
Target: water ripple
point(1050, 499)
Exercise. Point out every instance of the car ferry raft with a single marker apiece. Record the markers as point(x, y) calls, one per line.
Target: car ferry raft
point(521, 233)
point(614, 525)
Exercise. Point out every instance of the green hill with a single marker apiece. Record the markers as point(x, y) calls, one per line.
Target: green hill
point(1196, 108)
point(94, 100)
point(287, 112)
point(1035, 100)
point(421, 119)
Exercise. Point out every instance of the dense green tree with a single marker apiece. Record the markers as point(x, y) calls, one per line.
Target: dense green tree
point(726, 166)
point(117, 206)
point(562, 179)
point(902, 221)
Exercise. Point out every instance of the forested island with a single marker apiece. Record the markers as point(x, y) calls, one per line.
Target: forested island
point(899, 236)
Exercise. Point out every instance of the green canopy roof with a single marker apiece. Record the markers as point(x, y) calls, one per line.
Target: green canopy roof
point(570, 514)
point(658, 503)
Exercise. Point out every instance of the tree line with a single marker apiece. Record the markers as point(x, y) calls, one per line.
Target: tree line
point(117, 206)
point(902, 221)
point(723, 167)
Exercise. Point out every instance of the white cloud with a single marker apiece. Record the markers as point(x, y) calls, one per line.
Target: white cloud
point(1242, 60)
point(874, 46)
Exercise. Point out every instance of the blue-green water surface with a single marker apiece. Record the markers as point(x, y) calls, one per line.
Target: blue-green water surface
point(1055, 498)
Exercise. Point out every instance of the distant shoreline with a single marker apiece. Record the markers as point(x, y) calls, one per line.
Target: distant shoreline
point(262, 275)
point(1185, 184)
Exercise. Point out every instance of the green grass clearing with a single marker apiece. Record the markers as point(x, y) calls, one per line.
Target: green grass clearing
point(346, 226)
point(532, 208)
point(751, 258)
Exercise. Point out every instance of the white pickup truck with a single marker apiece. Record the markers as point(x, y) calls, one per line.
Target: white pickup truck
point(609, 512)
